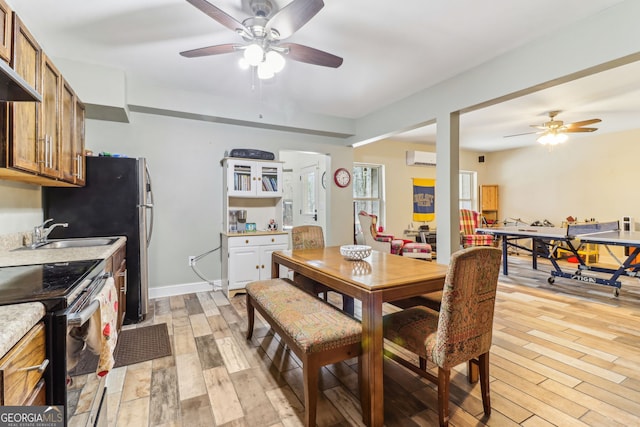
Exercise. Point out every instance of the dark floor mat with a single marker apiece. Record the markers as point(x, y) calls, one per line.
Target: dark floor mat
point(134, 346)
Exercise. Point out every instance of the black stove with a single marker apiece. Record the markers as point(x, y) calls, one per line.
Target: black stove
point(53, 284)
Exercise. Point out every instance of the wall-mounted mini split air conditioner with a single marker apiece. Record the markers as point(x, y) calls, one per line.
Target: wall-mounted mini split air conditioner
point(421, 158)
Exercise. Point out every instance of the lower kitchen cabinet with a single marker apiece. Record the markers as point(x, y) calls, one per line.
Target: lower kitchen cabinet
point(22, 369)
point(247, 257)
point(117, 265)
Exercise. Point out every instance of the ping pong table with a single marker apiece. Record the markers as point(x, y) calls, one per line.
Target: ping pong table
point(546, 240)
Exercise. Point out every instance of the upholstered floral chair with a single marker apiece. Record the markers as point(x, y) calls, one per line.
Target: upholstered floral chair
point(469, 221)
point(387, 242)
point(460, 332)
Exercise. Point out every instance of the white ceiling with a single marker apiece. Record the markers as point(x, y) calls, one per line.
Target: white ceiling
point(612, 96)
point(390, 50)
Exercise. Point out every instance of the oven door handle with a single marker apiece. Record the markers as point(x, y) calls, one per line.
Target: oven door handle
point(80, 318)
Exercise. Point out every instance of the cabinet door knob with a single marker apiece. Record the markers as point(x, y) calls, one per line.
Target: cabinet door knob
point(262, 266)
point(257, 267)
point(273, 240)
point(246, 241)
point(40, 368)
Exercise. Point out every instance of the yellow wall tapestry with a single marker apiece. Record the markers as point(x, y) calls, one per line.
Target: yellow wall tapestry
point(424, 199)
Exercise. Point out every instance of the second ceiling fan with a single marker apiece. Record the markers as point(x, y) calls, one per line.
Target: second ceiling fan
point(554, 131)
point(263, 34)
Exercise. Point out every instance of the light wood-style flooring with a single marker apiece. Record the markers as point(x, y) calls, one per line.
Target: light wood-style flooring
point(566, 354)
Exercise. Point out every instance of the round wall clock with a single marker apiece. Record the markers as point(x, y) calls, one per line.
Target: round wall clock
point(342, 177)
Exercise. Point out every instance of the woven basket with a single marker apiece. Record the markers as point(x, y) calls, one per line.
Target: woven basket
point(355, 252)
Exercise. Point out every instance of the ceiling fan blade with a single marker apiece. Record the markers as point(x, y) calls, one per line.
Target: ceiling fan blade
point(219, 15)
point(582, 123)
point(211, 50)
point(307, 54)
point(293, 16)
point(571, 130)
point(520, 134)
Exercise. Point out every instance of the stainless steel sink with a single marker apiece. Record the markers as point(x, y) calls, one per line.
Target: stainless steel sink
point(74, 243)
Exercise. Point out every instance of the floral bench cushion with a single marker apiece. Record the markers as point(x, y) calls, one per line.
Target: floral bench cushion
point(313, 324)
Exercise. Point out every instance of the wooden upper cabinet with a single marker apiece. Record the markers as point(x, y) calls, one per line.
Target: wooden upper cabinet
point(49, 131)
point(25, 151)
point(5, 31)
point(78, 143)
point(40, 142)
point(67, 133)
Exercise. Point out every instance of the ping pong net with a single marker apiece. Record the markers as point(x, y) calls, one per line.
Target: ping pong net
point(577, 230)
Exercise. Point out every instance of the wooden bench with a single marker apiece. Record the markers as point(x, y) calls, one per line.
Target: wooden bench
point(317, 332)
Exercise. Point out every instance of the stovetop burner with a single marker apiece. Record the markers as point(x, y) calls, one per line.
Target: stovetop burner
point(48, 283)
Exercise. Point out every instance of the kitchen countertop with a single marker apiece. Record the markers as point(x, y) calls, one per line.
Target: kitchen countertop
point(16, 321)
point(9, 257)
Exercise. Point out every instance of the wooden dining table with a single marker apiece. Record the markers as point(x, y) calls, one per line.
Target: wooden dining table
point(379, 278)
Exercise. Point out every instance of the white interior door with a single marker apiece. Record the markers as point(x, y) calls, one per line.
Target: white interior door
point(309, 194)
point(305, 198)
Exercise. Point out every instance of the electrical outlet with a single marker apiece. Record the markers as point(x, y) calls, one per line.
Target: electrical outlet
point(192, 260)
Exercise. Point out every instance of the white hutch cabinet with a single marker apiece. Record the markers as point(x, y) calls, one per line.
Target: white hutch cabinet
point(255, 187)
point(249, 178)
point(249, 258)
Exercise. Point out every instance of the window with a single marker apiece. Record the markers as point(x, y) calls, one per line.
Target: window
point(468, 190)
point(368, 194)
point(368, 190)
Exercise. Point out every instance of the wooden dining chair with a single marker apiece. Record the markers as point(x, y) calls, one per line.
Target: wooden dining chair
point(312, 237)
point(460, 332)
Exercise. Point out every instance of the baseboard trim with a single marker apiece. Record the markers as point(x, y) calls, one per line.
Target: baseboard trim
point(183, 288)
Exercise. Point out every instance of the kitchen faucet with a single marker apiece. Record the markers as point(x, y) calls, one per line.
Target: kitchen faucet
point(40, 233)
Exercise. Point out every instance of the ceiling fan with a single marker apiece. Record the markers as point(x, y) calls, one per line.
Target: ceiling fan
point(263, 34)
point(554, 131)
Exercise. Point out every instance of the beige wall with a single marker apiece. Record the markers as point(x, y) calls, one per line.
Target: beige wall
point(20, 206)
point(589, 176)
point(399, 192)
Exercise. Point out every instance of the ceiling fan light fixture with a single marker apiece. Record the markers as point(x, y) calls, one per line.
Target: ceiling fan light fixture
point(275, 61)
point(552, 138)
point(265, 72)
point(243, 63)
point(254, 54)
point(263, 32)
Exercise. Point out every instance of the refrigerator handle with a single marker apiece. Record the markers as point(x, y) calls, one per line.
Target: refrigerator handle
point(149, 204)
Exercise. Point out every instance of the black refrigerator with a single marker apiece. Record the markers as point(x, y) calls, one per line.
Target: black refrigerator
point(117, 200)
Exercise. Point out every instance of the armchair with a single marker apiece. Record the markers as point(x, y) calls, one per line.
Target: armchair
point(387, 243)
point(378, 241)
point(469, 221)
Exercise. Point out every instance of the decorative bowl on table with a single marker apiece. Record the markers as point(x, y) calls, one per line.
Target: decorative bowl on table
point(355, 252)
